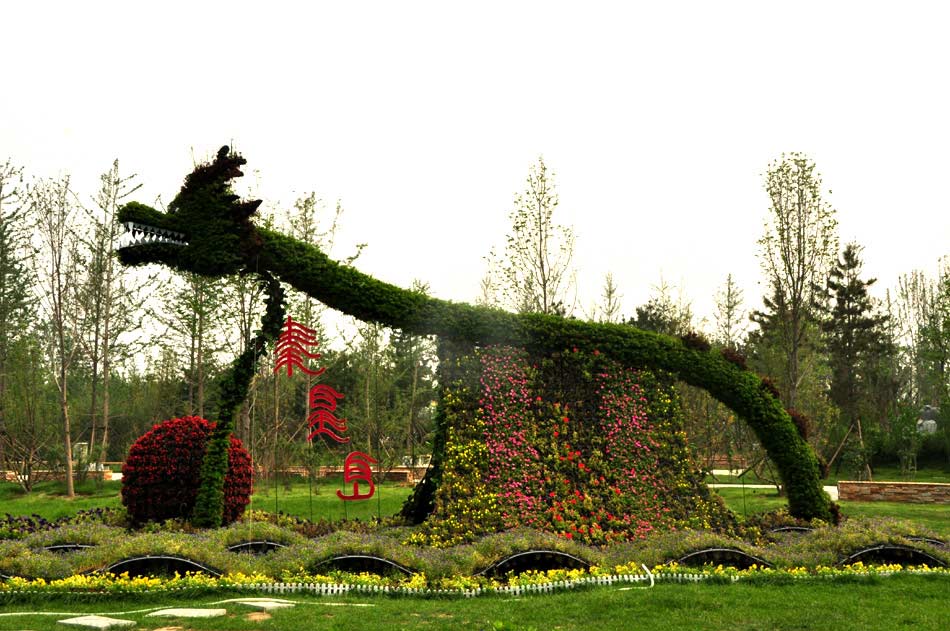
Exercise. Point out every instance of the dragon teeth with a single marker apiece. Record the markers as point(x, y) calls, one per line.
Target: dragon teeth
point(140, 234)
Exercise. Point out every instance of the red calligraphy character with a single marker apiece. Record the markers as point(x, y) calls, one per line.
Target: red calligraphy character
point(356, 469)
point(328, 425)
point(292, 348)
point(323, 400)
point(324, 396)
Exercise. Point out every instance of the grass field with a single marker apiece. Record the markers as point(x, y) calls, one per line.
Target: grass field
point(899, 602)
point(321, 502)
point(883, 473)
point(48, 500)
point(747, 502)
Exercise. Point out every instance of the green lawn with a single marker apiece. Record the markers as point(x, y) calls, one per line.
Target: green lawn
point(48, 499)
point(900, 602)
point(746, 502)
point(321, 502)
point(882, 473)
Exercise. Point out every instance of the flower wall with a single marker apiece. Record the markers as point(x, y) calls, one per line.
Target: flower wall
point(572, 444)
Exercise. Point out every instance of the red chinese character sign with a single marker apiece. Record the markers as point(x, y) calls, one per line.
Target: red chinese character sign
point(292, 348)
point(357, 469)
point(323, 400)
point(293, 352)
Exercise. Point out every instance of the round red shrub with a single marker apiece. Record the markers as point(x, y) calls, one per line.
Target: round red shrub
point(162, 472)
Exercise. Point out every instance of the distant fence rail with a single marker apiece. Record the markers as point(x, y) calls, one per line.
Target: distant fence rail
point(45, 475)
point(404, 475)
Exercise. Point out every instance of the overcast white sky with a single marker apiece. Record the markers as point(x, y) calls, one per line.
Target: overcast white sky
point(658, 119)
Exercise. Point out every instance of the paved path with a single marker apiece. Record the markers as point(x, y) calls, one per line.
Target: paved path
point(830, 490)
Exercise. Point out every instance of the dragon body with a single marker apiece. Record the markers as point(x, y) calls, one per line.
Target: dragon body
point(207, 230)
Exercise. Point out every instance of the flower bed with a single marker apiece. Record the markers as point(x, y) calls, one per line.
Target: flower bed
point(575, 445)
point(421, 586)
point(452, 568)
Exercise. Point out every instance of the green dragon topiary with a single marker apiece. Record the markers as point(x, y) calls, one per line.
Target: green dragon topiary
point(208, 230)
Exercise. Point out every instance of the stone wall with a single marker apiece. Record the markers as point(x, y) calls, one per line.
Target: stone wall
point(916, 492)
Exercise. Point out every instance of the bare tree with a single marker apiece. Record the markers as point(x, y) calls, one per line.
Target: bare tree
point(107, 301)
point(536, 275)
point(56, 266)
point(609, 308)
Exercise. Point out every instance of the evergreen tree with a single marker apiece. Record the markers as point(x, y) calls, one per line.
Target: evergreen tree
point(853, 336)
point(664, 314)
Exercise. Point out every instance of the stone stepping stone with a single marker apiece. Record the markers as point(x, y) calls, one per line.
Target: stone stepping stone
point(98, 622)
point(188, 613)
point(264, 604)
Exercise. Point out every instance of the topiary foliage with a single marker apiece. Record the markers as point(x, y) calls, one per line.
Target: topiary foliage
point(217, 238)
point(160, 477)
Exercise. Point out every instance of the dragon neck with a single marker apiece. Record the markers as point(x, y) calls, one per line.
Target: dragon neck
point(342, 287)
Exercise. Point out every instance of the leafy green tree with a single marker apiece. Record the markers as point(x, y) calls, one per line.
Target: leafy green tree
point(16, 281)
point(799, 244)
point(535, 274)
point(730, 316)
point(191, 313)
point(923, 310)
point(31, 441)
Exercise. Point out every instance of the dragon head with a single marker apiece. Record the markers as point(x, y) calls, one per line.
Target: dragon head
point(206, 230)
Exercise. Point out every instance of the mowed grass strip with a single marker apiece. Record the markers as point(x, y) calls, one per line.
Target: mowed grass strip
point(884, 473)
point(861, 604)
point(295, 497)
point(747, 502)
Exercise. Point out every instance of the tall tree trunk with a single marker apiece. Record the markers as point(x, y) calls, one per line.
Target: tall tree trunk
point(64, 411)
point(106, 379)
point(200, 366)
point(192, 369)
